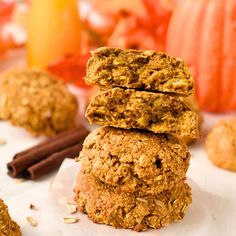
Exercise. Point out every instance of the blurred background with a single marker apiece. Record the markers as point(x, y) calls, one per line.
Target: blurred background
point(57, 35)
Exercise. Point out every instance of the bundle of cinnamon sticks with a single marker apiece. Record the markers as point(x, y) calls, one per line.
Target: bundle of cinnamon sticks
point(47, 156)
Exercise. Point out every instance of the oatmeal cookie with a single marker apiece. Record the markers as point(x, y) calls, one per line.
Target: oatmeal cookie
point(221, 145)
point(124, 210)
point(192, 103)
point(7, 226)
point(139, 69)
point(157, 112)
point(35, 100)
point(135, 161)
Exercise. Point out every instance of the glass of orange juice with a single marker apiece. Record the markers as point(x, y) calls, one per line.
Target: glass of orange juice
point(53, 31)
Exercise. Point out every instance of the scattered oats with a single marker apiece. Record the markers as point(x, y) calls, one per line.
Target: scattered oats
point(71, 220)
point(32, 207)
point(19, 180)
point(71, 207)
point(70, 201)
point(32, 221)
point(2, 142)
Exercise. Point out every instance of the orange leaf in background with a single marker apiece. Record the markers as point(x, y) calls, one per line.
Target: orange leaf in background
point(160, 12)
point(71, 69)
point(6, 9)
point(112, 7)
point(131, 32)
point(145, 31)
point(103, 16)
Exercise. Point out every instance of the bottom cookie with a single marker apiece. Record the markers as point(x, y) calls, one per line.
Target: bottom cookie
point(124, 210)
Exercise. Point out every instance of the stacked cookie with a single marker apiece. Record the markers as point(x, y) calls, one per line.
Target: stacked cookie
point(134, 167)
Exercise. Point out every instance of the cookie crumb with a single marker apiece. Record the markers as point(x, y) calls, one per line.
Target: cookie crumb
point(19, 180)
point(32, 221)
point(2, 142)
point(71, 207)
point(32, 207)
point(71, 220)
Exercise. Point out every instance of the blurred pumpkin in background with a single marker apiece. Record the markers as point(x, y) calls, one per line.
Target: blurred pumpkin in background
point(203, 32)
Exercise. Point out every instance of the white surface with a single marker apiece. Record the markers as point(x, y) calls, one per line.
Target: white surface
point(218, 195)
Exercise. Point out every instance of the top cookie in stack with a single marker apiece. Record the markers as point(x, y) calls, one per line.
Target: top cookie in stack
point(139, 69)
point(145, 90)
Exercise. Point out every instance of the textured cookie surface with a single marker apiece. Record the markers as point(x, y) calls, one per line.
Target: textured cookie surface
point(139, 69)
point(157, 112)
point(35, 100)
point(123, 210)
point(193, 105)
point(135, 161)
point(7, 226)
point(221, 144)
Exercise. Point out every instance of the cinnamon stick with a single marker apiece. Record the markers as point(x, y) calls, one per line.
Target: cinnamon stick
point(43, 144)
point(53, 161)
point(23, 160)
point(54, 143)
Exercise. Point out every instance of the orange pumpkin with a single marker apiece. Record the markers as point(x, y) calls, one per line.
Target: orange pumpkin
point(203, 32)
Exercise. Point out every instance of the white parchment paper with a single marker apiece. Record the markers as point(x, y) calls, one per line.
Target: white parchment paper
point(198, 221)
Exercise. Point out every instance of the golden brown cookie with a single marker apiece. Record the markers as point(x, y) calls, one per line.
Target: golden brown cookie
point(135, 161)
point(139, 69)
point(35, 100)
point(124, 210)
point(192, 104)
point(157, 112)
point(221, 144)
point(7, 226)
